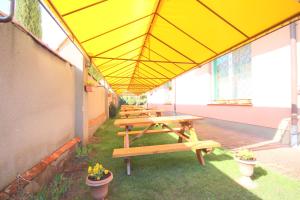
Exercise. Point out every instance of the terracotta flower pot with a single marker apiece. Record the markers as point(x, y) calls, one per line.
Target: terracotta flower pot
point(246, 167)
point(99, 189)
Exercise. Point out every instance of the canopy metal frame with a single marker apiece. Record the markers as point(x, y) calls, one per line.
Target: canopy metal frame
point(142, 63)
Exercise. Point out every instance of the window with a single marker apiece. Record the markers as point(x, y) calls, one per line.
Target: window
point(232, 77)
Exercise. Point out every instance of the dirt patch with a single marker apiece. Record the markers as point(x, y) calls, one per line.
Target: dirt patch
point(76, 173)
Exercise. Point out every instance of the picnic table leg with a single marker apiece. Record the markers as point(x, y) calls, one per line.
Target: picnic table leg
point(128, 166)
point(192, 131)
point(200, 156)
point(182, 133)
point(193, 135)
point(142, 133)
point(180, 138)
point(194, 138)
point(126, 145)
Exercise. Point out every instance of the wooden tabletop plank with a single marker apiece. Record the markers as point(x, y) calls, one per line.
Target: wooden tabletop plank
point(132, 112)
point(136, 109)
point(133, 108)
point(165, 130)
point(130, 106)
point(151, 120)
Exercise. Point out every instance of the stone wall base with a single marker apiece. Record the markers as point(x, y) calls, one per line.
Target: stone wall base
point(42, 173)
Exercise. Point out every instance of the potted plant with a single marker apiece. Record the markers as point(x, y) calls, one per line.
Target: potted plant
point(247, 161)
point(89, 86)
point(98, 179)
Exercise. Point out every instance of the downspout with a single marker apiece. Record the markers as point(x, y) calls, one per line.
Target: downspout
point(294, 92)
point(9, 17)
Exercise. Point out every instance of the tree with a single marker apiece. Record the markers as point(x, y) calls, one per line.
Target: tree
point(28, 13)
point(132, 100)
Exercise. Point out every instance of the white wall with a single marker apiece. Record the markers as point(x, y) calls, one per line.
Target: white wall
point(194, 87)
point(271, 70)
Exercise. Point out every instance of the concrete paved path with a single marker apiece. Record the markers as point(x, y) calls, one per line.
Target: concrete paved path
point(232, 136)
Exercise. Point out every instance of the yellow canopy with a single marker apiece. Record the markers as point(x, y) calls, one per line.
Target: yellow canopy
point(141, 44)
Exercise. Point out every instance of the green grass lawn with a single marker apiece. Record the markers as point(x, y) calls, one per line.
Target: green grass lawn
point(179, 175)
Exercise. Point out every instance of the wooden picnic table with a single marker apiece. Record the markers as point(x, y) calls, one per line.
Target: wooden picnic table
point(141, 113)
point(186, 126)
point(185, 122)
point(156, 120)
point(130, 108)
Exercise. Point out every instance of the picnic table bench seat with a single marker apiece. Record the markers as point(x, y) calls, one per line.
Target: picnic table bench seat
point(167, 148)
point(123, 133)
point(185, 133)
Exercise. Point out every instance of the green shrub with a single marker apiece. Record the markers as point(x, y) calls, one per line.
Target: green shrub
point(28, 13)
point(112, 110)
point(133, 100)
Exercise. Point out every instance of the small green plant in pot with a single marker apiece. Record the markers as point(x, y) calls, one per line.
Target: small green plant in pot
point(247, 161)
point(98, 179)
point(246, 155)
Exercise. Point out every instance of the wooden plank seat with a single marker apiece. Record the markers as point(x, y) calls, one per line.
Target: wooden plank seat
point(123, 133)
point(199, 147)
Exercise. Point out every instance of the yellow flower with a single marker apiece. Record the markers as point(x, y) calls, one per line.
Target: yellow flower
point(95, 170)
point(100, 166)
point(98, 178)
point(106, 171)
point(90, 170)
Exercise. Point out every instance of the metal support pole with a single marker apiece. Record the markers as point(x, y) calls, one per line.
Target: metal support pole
point(84, 132)
point(126, 145)
point(175, 109)
point(294, 92)
point(9, 17)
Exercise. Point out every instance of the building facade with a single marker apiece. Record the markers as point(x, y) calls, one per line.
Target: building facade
point(250, 85)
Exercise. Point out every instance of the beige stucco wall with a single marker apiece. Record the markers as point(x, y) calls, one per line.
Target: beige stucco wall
point(97, 108)
point(68, 51)
point(37, 102)
point(94, 103)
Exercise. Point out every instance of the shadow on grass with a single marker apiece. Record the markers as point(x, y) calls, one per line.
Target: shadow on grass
point(259, 172)
point(166, 176)
point(218, 157)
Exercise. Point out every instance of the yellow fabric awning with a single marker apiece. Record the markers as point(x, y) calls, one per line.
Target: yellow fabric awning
point(141, 44)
